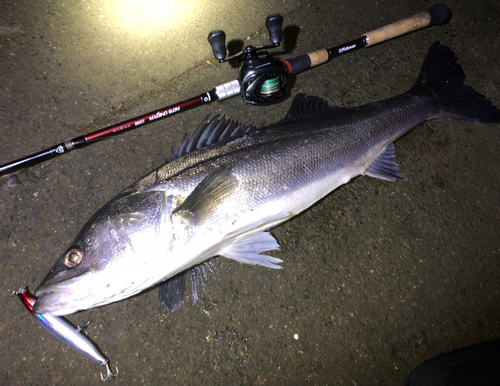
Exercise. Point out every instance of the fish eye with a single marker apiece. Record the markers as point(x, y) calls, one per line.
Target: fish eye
point(73, 257)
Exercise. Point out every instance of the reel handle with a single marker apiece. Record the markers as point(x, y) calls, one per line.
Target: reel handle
point(217, 40)
point(274, 24)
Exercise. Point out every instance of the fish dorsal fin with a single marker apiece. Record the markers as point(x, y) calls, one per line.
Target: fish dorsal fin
point(210, 132)
point(248, 250)
point(305, 105)
point(207, 195)
point(384, 168)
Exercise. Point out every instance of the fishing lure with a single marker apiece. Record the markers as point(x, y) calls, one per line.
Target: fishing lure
point(67, 333)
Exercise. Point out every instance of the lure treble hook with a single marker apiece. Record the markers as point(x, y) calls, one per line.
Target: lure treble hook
point(109, 374)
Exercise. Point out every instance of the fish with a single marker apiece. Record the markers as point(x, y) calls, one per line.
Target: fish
point(229, 184)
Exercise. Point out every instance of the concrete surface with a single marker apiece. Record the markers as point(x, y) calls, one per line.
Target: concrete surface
point(378, 277)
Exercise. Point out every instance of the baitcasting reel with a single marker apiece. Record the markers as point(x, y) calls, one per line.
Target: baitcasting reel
point(263, 79)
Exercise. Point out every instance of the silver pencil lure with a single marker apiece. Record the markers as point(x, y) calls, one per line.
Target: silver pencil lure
point(67, 333)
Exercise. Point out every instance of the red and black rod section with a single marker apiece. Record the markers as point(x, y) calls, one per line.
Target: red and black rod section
point(110, 131)
point(142, 120)
point(437, 14)
point(220, 92)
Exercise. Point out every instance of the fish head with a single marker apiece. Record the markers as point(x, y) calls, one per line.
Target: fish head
point(113, 257)
point(85, 275)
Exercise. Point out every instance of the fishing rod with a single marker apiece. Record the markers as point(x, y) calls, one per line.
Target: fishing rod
point(262, 79)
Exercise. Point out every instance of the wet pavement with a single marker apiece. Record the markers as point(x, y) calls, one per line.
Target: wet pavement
point(378, 277)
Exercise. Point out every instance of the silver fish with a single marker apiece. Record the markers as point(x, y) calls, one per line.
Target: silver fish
point(229, 184)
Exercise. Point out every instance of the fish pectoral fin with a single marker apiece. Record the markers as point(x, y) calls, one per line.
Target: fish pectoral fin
point(208, 195)
point(248, 250)
point(384, 168)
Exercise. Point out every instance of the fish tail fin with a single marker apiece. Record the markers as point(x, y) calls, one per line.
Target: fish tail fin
point(444, 78)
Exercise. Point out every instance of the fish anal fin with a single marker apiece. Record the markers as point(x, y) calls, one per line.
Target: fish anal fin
point(248, 250)
point(207, 196)
point(385, 169)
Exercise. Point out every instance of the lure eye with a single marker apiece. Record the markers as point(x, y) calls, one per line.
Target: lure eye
point(73, 257)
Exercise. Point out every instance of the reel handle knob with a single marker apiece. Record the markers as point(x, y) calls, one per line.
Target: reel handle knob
point(274, 24)
point(217, 40)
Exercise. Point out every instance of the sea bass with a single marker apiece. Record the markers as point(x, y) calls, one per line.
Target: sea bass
point(228, 185)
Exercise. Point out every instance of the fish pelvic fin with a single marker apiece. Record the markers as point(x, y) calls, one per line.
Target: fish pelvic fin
point(385, 169)
point(171, 291)
point(442, 76)
point(199, 273)
point(248, 250)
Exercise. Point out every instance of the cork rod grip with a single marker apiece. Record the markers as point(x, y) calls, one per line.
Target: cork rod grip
point(435, 15)
point(401, 27)
point(318, 57)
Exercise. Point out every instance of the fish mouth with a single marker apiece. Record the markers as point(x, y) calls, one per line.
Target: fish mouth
point(56, 302)
point(70, 296)
point(67, 298)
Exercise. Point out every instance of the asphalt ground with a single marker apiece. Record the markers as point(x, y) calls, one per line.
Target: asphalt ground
point(377, 277)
